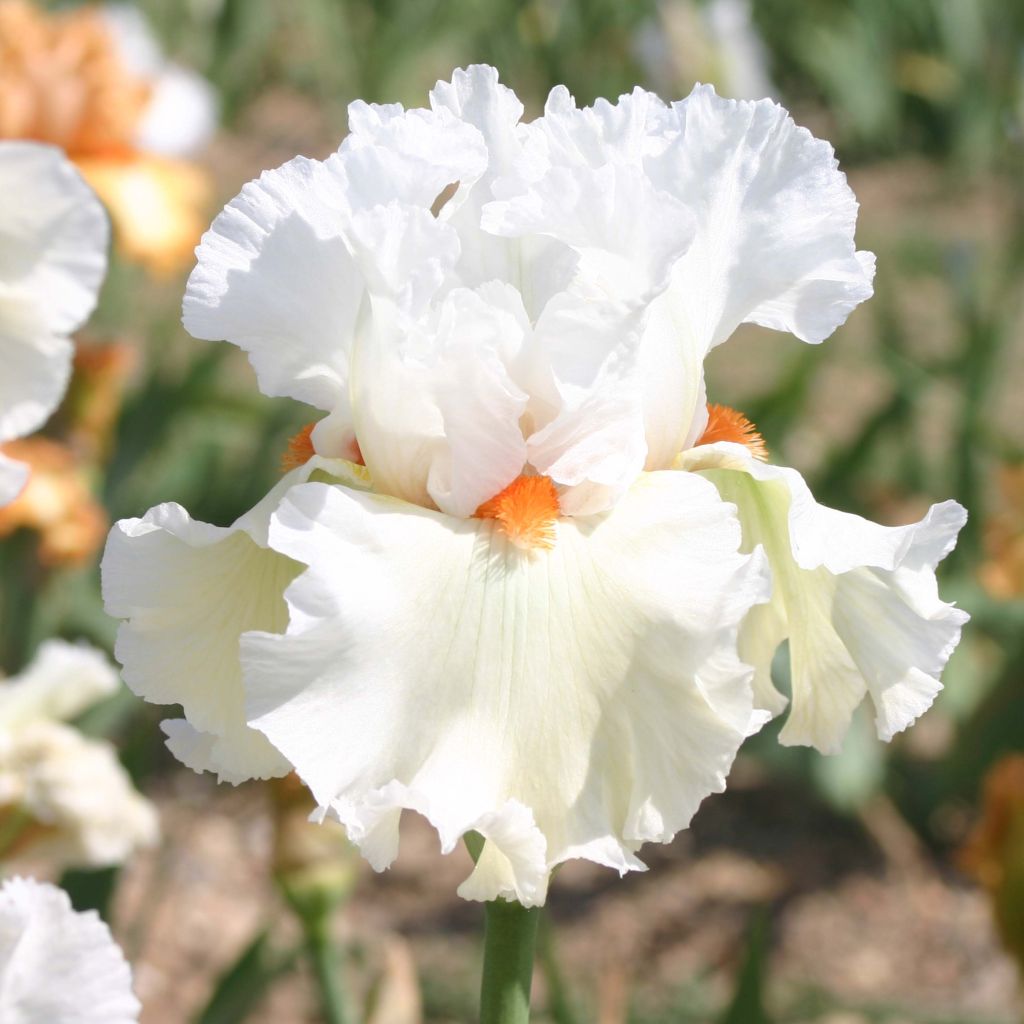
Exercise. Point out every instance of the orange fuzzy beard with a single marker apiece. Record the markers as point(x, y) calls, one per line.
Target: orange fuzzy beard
point(725, 424)
point(300, 450)
point(526, 510)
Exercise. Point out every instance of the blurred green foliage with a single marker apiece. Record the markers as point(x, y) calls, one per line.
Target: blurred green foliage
point(930, 91)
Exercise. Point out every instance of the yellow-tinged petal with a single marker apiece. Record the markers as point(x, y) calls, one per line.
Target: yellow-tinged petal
point(857, 601)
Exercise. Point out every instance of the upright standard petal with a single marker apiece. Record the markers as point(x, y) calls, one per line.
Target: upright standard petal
point(275, 277)
point(858, 602)
point(775, 221)
point(179, 643)
point(434, 405)
point(571, 701)
point(53, 255)
point(58, 966)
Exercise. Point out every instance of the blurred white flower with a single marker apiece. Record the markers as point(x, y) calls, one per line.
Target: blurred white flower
point(64, 798)
point(58, 966)
point(53, 255)
point(180, 114)
point(496, 593)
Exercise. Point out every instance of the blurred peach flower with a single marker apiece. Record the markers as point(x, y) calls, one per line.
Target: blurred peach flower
point(1002, 572)
point(994, 852)
point(56, 503)
point(90, 410)
point(92, 81)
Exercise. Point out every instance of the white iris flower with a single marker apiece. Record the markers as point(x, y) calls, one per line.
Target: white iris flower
point(504, 589)
point(65, 798)
point(58, 966)
point(53, 255)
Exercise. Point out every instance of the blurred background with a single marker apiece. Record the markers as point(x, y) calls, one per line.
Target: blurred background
point(885, 884)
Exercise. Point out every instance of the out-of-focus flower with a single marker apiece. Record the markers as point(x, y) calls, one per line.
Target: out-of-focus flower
point(58, 966)
point(53, 255)
point(94, 399)
point(1002, 572)
point(994, 852)
point(92, 80)
point(316, 867)
point(710, 42)
point(56, 503)
point(522, 615)
point(64, 798)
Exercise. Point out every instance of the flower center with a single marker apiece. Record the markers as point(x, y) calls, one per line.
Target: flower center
point(301, 449)
point(526, 510)
point(725, 424)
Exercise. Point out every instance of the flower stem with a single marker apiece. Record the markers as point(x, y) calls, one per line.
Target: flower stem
point(509, 938)
point(323, 957)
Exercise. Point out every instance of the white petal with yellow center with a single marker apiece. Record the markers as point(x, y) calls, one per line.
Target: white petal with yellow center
point(571, 702)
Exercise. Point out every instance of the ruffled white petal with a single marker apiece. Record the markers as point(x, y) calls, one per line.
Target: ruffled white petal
point(409, 156)
point(775, 220)
point(62, 681)
point(858, 602)
point(537, 267)
point(435, 408)
point(743, 214)
point(53, 255)
point(58, 966)
point(429, 663)
point(275, 277)
point(187, 591)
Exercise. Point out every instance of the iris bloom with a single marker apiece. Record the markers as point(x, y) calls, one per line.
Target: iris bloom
point(53, 255)
point(521, 579)
point(64, 798)
point(93, 81)
point(58, 966)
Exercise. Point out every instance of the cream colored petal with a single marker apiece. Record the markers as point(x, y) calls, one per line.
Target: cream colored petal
point(858, 601)
point(430, 663)
point(187, 591)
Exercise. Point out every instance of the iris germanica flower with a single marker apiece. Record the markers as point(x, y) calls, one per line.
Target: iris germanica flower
point(521, 577)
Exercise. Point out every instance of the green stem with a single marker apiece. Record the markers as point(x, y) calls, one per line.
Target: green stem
point(509, 938)
point(324, 959)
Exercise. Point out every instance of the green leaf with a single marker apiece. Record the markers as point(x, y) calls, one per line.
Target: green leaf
point(241, 988)
point(747, 1005)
